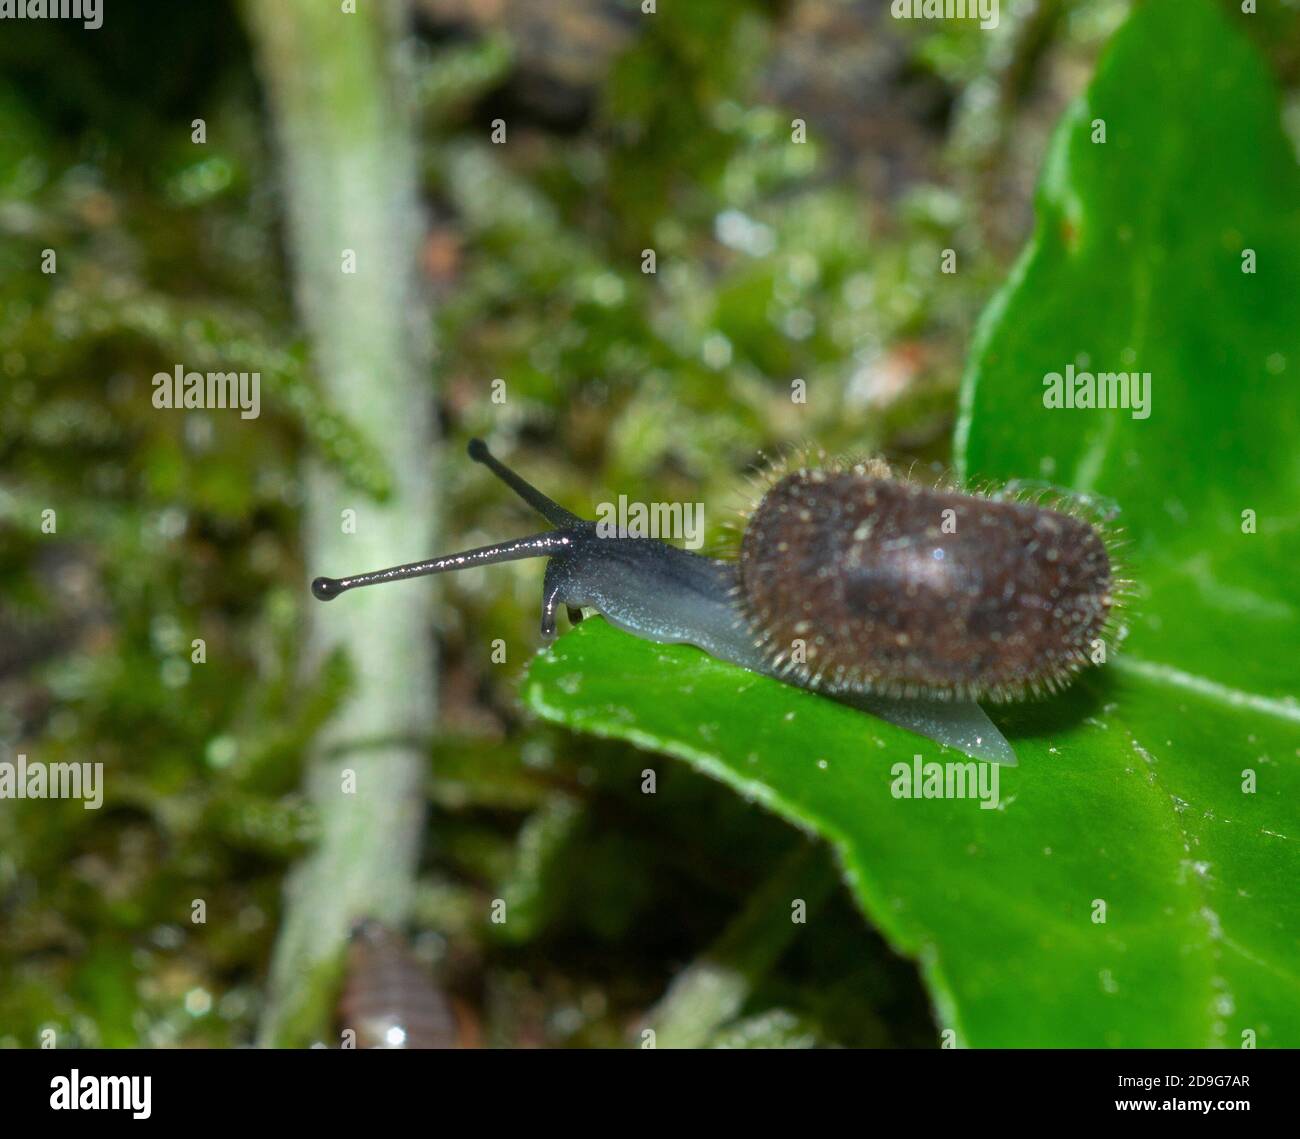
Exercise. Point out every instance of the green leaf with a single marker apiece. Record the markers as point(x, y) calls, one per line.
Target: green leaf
point(1133, 789)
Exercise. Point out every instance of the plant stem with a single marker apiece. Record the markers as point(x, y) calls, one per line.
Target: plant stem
point(348, 159)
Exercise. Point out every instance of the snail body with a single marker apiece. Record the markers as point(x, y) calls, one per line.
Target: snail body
point(908, 602)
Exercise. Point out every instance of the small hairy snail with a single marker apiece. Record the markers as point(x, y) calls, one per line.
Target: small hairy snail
point(906, 601)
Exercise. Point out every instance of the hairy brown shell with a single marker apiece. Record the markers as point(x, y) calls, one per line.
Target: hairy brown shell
point(854, 579)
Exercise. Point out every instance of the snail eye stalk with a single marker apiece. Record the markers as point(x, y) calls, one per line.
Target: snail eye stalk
point(552, 511)
point(542, 545)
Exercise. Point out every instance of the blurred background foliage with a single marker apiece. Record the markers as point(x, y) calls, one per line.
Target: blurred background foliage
point(773, 262)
